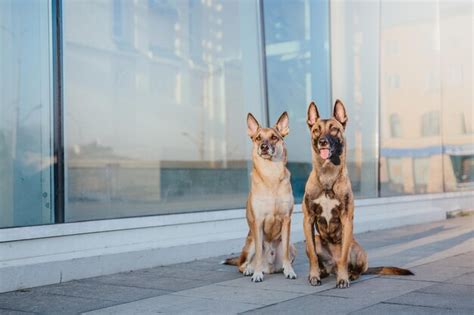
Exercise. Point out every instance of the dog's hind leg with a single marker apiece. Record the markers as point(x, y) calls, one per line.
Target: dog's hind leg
point(358, 263)
point(325, 260)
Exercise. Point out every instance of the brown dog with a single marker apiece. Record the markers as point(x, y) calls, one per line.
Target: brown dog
point(270, 203)
point(328, 205)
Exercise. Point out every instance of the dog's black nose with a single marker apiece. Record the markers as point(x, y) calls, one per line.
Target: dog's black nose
point(264, 147)
point(323, 142)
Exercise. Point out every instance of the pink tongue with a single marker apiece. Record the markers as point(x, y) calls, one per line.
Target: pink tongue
point(324, 153)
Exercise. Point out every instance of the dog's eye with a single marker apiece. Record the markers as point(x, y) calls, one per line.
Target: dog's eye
point(258, 138)
point(274, 137)
point(334, 130)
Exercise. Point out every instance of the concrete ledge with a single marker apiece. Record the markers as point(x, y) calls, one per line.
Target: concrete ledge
point(34, 256)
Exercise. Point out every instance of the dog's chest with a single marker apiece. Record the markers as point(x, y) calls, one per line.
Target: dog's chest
point(264, 205)
point(326, 209)
point(326, 206)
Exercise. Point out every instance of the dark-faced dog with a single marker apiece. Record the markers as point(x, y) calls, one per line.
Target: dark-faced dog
point(328, 206)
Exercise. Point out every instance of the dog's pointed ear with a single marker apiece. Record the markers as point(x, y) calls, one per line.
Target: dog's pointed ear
point(282, 124)
point(313, 115)
point(340, 113)
point(252, 125)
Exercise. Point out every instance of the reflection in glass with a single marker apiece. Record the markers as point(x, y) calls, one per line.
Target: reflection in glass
point(354, 76)
point(297, 60)
point(156, 95)
point(26, 193)
point(456, 41)
point(410, 99)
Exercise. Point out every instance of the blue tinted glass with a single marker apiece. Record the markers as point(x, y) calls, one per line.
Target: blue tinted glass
point(26, 193)
point(297, 60)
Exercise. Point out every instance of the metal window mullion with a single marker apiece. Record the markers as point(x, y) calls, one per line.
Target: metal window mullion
point(378, 123)
point(263, 64)
point(58, 122)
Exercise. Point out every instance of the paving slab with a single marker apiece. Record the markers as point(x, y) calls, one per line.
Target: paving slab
point(189, 273)
point(466, 279)
point(313, 304)
point(462, 260)
point(214, 265)
point(177, 305)
point(395, 309)
point(276, 282)
point(235, 294)
point(463, 303)
point(436, 271)
point(149, 281)
point(101, 291)
point(398, 235)
point(13, 312)
point(38, 302)
point(448, 289)
point(301, 269)
point(145, 306)
point(208, 306)
point(425, 250)
point(377, 289)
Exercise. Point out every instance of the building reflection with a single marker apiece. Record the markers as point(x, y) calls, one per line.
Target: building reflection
point(156, 94)
point(153, 106)
point(426, 115)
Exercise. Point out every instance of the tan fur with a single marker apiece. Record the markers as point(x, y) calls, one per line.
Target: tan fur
point(267, 248)
point(334, 250)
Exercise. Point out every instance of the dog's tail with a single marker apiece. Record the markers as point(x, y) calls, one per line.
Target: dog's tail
point(388, 271)
point(233, 261)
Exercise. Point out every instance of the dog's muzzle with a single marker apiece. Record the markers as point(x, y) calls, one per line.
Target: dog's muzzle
point(265, 150)
point(324, 148)
point(330, 148)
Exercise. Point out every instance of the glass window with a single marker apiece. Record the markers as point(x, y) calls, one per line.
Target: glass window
point(156, 97)
point(26, 191)
point(411, 154)
point(430, 124)
point(395, 128)
point(355, 46)
point(297, 60)
point(456, 39)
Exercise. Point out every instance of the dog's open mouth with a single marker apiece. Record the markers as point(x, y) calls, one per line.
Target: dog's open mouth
point(325, 153)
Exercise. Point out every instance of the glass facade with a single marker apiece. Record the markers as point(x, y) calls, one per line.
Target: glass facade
point(355, 45)
point(425, 97)
point(456, 116)
point(156, 95)
point(26, 145)
point(411, 158)
point(297, 64)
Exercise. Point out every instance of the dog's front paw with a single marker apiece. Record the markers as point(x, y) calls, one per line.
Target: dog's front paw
point(289, 273)
point(342, 278)
point(248, 271)
point(257, 276)
point(343, 283)
point(314, 280)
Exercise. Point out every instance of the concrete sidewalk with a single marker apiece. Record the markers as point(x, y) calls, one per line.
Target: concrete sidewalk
point(441, 254)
